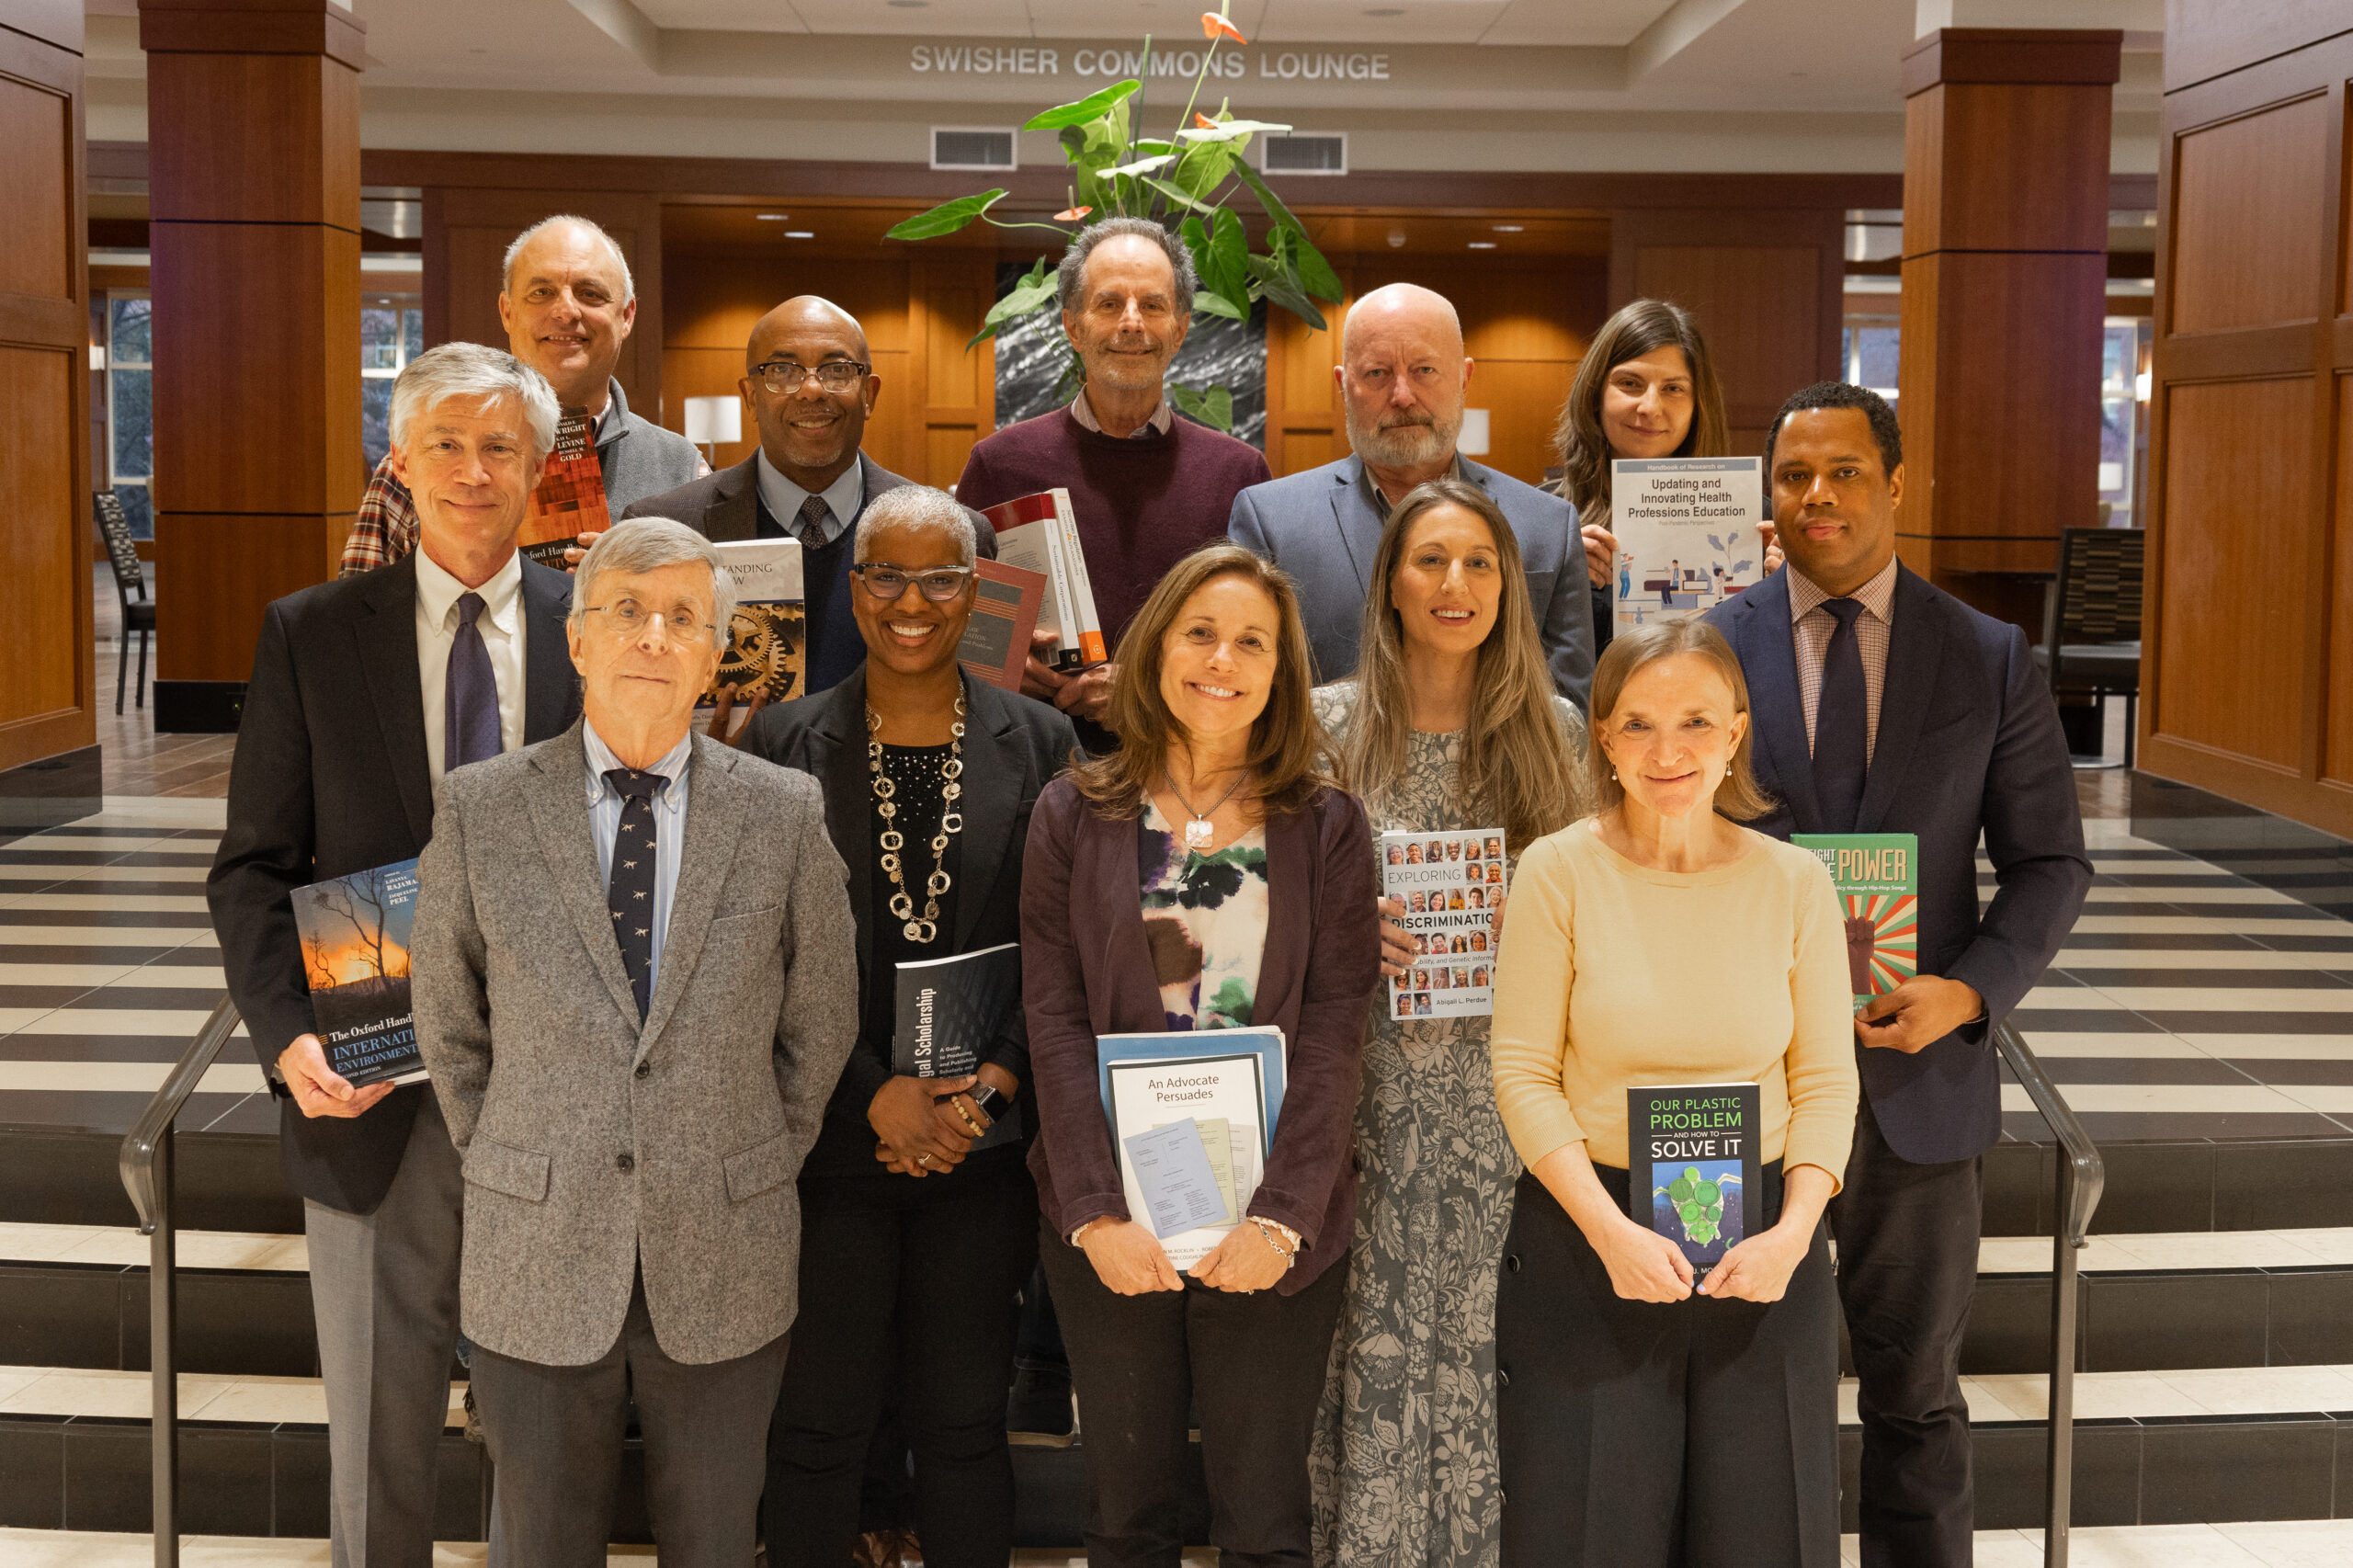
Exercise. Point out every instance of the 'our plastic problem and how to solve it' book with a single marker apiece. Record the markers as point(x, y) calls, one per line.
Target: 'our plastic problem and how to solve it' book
point(1688, 535)
point(1451, 883)
point(1878, 879)
point(354, 932)
point(1039, 533)
point(1192, 1115)
point(570, 500)
point(950, 1011)
point(1691, 1166)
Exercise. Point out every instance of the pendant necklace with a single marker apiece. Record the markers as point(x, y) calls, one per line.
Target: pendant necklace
point(890, 841)
point(1198, 828)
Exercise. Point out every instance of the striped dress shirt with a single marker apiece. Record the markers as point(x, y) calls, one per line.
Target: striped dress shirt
point(605, 806)
point(1810, 630)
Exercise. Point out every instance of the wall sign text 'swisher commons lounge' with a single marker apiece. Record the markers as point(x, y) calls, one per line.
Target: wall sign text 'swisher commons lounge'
point(1232, 65)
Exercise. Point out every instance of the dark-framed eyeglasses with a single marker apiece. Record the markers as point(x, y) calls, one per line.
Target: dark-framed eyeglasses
point(886, 582)
point(839, 377)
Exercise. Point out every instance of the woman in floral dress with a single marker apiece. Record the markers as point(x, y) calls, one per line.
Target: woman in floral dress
point(1450, 724)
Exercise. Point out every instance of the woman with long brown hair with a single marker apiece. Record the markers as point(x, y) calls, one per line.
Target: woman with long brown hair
point(1645, 388)
point(1448, 725)
point(1208, 874)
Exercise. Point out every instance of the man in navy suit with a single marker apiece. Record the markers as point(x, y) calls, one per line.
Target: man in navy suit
point(1403, 376)
point(1883, 705)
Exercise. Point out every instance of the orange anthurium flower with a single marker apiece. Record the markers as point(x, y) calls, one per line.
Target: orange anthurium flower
point(1214, 26)
point(1204, 121)
point(1073, 215)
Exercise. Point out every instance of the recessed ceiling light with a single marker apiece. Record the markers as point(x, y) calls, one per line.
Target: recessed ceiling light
point(1511, 228)
point(771, 216)
point(1385, 11)
point(909, 5)
point(798, 234)
point(1482, 244)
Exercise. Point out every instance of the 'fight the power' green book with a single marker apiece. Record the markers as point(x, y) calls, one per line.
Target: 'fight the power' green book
point(1878, 879)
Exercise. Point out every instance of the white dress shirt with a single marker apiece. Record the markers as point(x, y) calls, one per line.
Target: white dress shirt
point(605, 807)
point(501, 625)
point(784, 499)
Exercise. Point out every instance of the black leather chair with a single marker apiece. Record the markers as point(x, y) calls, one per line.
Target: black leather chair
point(131, 585)
point(2091, 619)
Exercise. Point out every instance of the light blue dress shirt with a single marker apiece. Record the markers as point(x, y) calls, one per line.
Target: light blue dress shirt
point(605, 807)
point(784, 499)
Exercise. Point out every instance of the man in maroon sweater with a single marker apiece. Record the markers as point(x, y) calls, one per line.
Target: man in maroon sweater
point(1147, 488)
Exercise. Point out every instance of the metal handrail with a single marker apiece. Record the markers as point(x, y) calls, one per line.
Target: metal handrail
point(145, 1165)
point(2081, 1175)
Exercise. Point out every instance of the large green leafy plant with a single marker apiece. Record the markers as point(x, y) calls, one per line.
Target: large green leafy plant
point(1187, 180)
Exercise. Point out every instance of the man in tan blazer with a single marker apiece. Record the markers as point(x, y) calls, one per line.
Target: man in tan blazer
point(635, 981)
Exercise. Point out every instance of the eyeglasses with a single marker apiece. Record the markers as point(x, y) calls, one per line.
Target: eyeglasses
point(630, 619)
point(783, 378)
point(940, 584)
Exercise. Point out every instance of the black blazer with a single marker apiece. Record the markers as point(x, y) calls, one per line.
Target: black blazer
point(1013, 749)
point(1968, 740)
point(331, 777)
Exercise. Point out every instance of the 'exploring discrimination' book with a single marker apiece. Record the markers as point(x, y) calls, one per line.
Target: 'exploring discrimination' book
point(1037, 533)
point(1192, 1115)
point(1006, 605)
point(1878, 879)
point(354, 933)
point(1687, 533)
point(570, 500)
point(948, 1011)
point(1692, 1168)
point(768, 645)
point(1451, 883)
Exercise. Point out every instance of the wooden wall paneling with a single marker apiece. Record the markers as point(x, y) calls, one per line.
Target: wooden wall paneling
point(2337, 766)
point(1305, 425)
point(47, 705)
point(467, 232)
point(947, 293)
point(2247, 245)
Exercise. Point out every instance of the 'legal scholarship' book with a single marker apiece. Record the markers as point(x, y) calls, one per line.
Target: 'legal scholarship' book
point(1192, 1115)
point(768, 643)
point(1691, 1166)
point(1686, 534)
point(950, 1010)
point(1039, 533)
point(1878, 879)
point(1006, 605)
point(1451, 883)
point(570, 500)
point(354, 934)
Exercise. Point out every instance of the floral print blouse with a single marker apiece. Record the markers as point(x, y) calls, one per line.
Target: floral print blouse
point(1205, 922)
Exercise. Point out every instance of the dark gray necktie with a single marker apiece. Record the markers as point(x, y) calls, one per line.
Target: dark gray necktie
point(629, 893)
point(470, 693)
point(811, 529)
point(1841, 742)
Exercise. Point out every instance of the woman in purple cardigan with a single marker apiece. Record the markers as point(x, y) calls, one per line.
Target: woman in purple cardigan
point(1207, 875)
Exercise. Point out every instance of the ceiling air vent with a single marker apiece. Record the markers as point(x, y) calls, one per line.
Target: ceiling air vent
point(1308, 154)
point(971, 147)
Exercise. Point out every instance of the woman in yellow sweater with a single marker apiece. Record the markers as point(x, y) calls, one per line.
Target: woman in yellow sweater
point(1643, 1420)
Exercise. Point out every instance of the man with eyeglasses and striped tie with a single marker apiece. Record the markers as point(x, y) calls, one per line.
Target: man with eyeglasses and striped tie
point(365, 693)
point(810, 384)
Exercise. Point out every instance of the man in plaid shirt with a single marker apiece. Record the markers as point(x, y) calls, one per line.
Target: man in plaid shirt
point(568, 304)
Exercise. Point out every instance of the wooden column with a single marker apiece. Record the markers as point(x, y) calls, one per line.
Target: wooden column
point(253, 126)
point(2004, 285)
point(49, 767)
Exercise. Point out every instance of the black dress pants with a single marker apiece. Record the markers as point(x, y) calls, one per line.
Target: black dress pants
point(1249, 1367)
point(1693, 1434)
point(909, 1292)
point(1907, 1268)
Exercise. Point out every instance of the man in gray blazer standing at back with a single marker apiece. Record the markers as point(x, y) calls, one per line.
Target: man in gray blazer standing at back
point(1403, 376)
point(635, 982)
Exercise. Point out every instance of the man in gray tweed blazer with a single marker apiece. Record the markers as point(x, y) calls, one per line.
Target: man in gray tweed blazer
point(635, 982)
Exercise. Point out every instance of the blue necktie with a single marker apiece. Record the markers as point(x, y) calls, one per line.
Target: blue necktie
point(470, 693)
point(1841, 742)
point(629, 893)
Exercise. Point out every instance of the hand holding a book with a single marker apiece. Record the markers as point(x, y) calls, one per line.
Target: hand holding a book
point(722, 726)
point(574, 554)
point(1600, 555)
point(1643, 1266)
point(1039, 679)
point(1127, 1257)
point(1396, 943)
point(904, 1116)
point(1773, 557)
point(1247, 1259)
point(1759, 1268)
point(1087, 694)
point(1919, 1012)
point(318, 1089)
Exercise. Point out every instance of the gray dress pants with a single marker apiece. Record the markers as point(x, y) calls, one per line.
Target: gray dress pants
point(384, 1290)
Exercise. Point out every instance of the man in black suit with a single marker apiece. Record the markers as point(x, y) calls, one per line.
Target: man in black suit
point(364, 691)
point(1883, 705)
point(809, 383)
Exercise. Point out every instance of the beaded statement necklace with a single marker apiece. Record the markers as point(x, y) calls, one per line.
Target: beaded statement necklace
point(891, 841)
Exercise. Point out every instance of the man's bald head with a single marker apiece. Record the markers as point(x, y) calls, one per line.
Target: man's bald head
point(811, 432)
point(1406, 307)
point(1403, 375)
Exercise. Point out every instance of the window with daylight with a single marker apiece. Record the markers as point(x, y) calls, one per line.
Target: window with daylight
point(131, 407)
point(391, 333)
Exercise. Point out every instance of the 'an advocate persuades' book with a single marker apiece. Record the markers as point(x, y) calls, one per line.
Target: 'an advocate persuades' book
point(1691, 1166)
point(1878, 879)
point(1039, 533)
point(570, 500)
point(950, 1010)
point(354, 934)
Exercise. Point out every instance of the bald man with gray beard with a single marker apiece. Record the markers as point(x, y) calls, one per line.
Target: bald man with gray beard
point(809, 384)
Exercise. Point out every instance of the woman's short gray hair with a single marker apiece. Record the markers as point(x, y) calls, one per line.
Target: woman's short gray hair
point(918, 506)
point(474, 370)
point(648, 544)
point(1070, 277)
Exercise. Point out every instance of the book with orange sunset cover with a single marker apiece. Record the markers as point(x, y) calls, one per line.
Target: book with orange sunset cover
point(355, 959)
